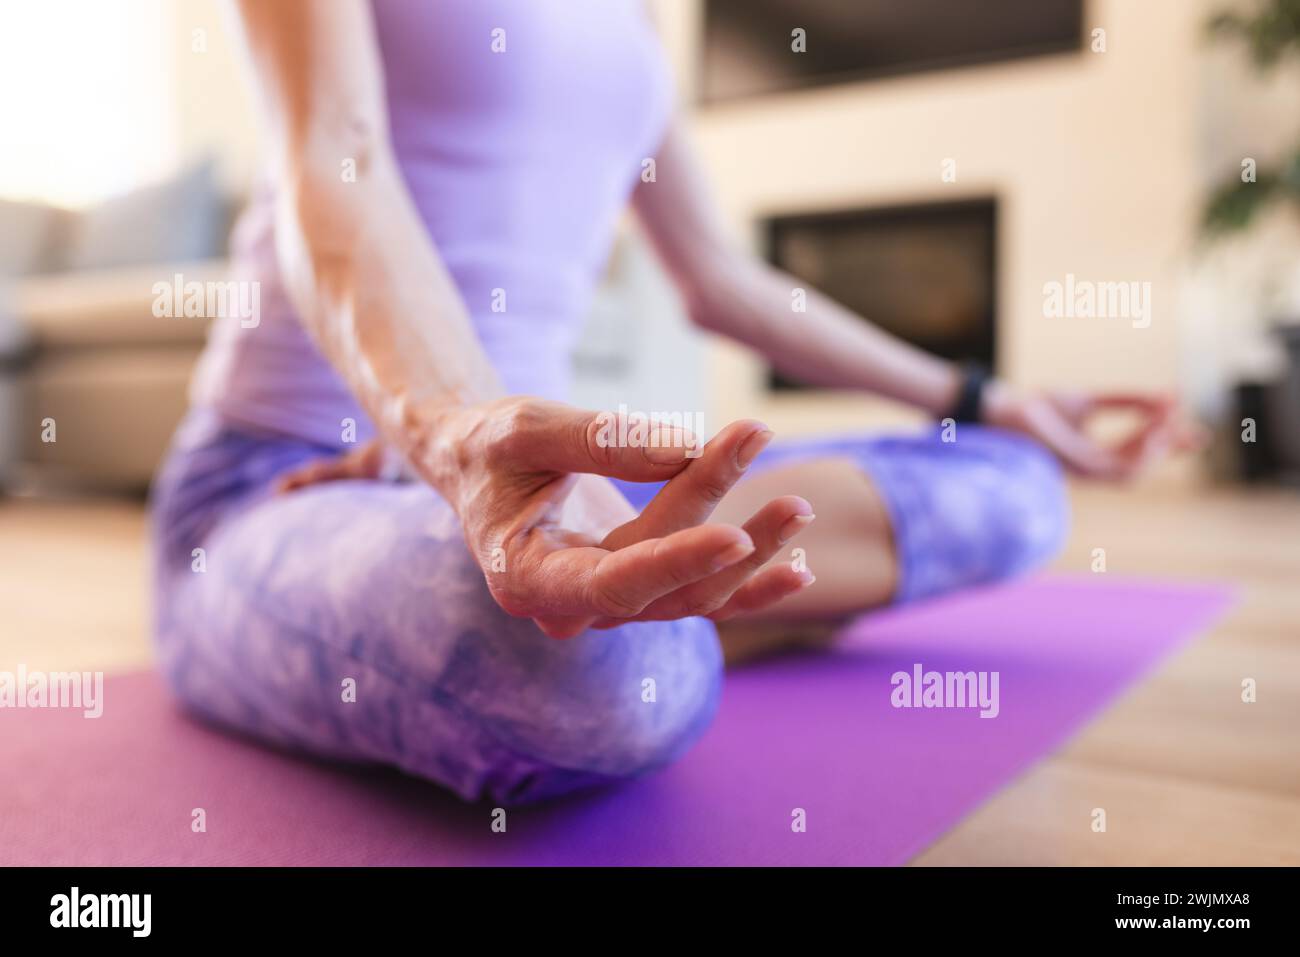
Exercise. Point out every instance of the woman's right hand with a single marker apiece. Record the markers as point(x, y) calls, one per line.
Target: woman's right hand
point(566, 549)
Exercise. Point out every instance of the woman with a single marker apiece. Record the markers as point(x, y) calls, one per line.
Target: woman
point(445, 181)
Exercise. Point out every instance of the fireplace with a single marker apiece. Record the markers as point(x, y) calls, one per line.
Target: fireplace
point(924, 272)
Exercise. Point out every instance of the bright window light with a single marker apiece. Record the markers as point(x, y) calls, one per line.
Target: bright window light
point(86, 100)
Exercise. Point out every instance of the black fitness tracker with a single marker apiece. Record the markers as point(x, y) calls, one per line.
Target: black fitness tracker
point(970, 400)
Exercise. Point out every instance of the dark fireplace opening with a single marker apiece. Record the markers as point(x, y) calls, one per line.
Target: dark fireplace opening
point(926, 272)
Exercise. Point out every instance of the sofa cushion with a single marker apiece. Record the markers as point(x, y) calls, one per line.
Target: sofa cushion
point(115, 416)
point(106, 307)
point(180, 219)
point(30, 234)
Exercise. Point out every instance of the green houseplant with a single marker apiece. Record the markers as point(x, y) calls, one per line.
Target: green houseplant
point(1271, 34)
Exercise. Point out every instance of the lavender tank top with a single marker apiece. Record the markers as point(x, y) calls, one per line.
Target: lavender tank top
point(520, 127)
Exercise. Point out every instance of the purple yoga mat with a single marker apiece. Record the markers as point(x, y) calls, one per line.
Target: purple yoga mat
point(817, 732)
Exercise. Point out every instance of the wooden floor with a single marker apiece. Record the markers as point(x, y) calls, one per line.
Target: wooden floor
point(1187, 772)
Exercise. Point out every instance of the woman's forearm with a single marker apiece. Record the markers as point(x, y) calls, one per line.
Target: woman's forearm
point(356, 260)
point(824, 344)
point(375, 296)
point(739, 296)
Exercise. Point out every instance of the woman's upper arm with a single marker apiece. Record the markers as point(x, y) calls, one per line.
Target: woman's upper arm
point(680, 216)
point(319, 81)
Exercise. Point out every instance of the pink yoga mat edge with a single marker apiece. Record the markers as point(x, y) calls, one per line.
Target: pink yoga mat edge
point(813, 732)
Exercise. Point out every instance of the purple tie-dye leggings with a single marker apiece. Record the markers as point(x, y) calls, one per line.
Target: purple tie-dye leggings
point(349, 621)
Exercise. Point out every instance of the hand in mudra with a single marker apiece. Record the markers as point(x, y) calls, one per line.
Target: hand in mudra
point(1060, 420)
point(563, 547)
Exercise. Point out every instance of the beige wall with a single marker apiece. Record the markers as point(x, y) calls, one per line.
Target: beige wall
point(137, 90)
point(1093, 157)
point(215, 114)
point(84, 104)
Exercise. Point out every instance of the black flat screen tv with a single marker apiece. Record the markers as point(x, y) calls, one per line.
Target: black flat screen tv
point(747, 44)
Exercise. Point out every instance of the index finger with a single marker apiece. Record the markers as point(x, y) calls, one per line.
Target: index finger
point(1154, 403)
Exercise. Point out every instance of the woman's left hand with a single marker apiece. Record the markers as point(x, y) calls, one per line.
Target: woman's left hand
point(1059, 420)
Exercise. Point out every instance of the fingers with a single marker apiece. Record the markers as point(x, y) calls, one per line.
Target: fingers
point(563, 627)
point(1160, 430)
point(1190, 436)
point(692, 494)
point(769, 587)
point(365, 463)
point(537, 435)
point(765, 589)
point(565, 585)
point(1146, 445)
point(1150, 443)
point(629, 579)
point(550, 580)
point(776, 524)
point(1074, 447)
point(771, 528)
point(1164, 429)
point(1156, 402)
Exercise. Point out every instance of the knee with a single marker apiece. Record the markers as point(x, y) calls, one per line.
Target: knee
point(992, 507)
point(654, 689)
point(1035, 520)
point(522, 716)
point(604, 706)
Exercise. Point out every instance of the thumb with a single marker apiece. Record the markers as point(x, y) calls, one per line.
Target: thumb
point(364, 463)
point(554, 437)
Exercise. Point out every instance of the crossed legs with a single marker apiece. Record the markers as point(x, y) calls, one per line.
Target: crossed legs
point(349, 621)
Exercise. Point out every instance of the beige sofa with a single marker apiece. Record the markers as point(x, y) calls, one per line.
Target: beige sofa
point(111, 375)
